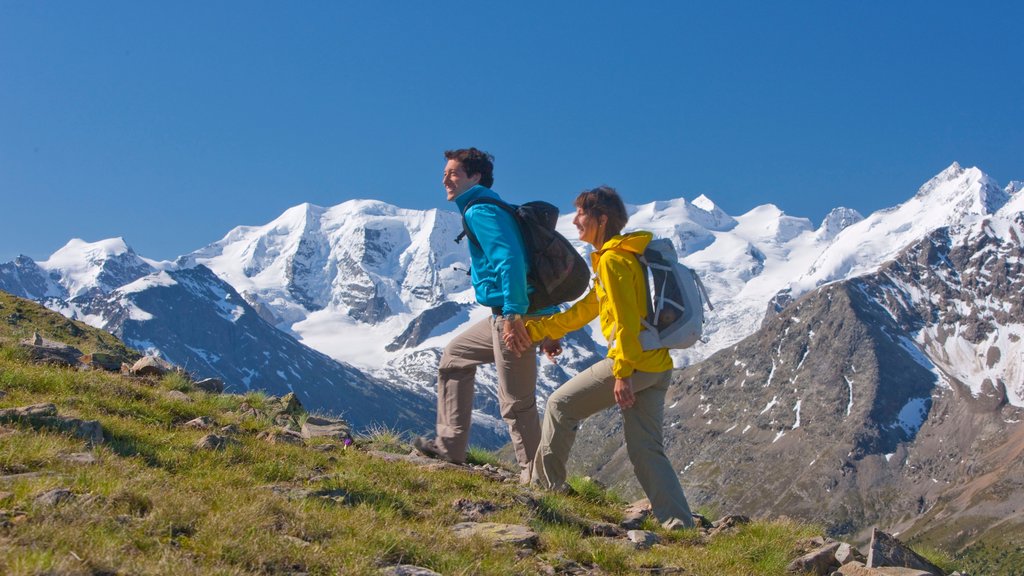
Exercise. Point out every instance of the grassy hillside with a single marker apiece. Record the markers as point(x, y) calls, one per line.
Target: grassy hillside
point(20, 318)
point(149, 501)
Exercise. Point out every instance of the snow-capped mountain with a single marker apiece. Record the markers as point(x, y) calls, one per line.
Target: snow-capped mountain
point(889, 391)
point(384, 289)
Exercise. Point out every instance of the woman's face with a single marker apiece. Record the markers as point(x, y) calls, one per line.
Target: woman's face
point(589, 227)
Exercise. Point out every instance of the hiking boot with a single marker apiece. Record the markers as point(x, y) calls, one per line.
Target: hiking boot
point(428, 448)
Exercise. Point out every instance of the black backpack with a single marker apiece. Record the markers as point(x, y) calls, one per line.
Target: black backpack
point(556, 271)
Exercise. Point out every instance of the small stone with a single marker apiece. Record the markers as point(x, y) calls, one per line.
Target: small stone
point(726, 523)
point(407, 570)
point(847, 553)
point(819, 561)
point(281, 436)
point(151, 366)
point(213, 442)
point(79, 458)
point(229, 429)
point(633, 518)
point(178, 395)
point(316, 427)
point(642, 538)
point(473, 511)
point(201, 423)
point(605, 529)
point(296, 540)
point(211, 385)
point(55, 497)
point(511, 534)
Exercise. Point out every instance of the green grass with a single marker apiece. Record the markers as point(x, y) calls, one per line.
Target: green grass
point(152, 503)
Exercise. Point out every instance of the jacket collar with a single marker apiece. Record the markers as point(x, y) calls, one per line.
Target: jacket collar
point(473, 193)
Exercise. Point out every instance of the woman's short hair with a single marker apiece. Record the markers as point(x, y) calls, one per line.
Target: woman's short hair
point(604, 201)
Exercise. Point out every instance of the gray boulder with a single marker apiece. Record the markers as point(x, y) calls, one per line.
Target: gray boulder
point(886, 550)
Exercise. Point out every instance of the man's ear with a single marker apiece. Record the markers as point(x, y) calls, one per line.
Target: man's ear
point(475, 178)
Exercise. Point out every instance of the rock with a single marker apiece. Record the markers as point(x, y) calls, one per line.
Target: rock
point(229, 429)
point(407, 570)
point(605, 529)
point(725, 523)
point(151, 366)
point(54, 497)
point(702, 522)
point(642, 538)
point(79, 458)
point(281, 436)
point(2, 393)
point(472, 511)
point(102, 361)
point(633, 517)
point(856, 568)
point(847, 553)
point(214, 442)
point(317, 427)
point(886, 550)
point(178, 396)
point(201, 423)
point(819, 562)
point(211, 385)
point(45, 351)
point(512, 534)
point(246, 409)
point(45, 416)
point(296, 540)
point(29, 412)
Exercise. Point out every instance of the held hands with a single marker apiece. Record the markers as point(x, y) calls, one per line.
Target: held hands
point(515, 336)
point(624, 393)
point(551, 348)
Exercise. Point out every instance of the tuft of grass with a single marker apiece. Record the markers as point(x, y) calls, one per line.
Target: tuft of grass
point(480, 456)
point(593, 491)
point(385, 439)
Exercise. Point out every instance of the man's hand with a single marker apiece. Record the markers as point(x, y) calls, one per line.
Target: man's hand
point(515, 336)
point(551, 348)
point(624, 393)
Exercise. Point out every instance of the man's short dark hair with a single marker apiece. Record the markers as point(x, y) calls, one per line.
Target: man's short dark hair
point(474, 161)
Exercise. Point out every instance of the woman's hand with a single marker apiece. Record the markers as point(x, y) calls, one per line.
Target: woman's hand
point(551, 348)
point(624, 393)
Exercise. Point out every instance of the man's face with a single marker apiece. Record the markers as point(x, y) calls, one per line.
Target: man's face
point(456, 181)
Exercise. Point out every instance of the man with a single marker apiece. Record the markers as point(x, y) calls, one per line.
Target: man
point(499, 268)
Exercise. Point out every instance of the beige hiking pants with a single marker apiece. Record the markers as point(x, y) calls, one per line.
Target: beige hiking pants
point(588, 393)
point(480, 344)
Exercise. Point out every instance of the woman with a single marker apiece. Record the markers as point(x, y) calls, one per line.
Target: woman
point(635, 379)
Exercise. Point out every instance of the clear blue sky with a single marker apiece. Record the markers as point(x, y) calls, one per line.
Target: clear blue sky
point(169, 123)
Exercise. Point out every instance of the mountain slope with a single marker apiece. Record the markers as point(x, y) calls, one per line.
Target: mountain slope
point(892, 397)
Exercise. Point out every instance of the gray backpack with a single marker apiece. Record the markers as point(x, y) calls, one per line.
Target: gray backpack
point(675, 314)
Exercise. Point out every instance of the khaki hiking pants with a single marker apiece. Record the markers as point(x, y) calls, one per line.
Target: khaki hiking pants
point(588, 393)
point(480, 344)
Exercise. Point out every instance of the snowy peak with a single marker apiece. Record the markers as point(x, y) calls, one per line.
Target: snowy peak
point(768, 223)
point(956, 198)
point(365, 259)
point(963, 191)
point(95, 267)
point(838, 220)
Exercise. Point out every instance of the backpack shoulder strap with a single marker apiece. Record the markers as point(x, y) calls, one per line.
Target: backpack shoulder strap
point(466, 231)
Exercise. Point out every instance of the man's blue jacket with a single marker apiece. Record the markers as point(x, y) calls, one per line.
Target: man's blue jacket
point(499, 263)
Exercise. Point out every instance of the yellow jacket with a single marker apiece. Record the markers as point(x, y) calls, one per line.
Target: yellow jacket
point(619, 295)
